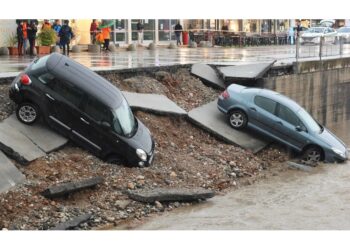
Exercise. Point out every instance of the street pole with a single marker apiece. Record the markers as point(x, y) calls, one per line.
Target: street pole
point(297, 46)
point(321, 47)
point(341, 45)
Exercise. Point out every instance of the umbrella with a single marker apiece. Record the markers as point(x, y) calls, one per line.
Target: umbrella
point(106, 23)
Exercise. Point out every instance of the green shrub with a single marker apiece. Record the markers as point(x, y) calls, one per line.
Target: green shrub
point(47, 37)
point(11, 40)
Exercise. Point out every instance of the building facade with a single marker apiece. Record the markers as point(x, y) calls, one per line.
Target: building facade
point(161, 31)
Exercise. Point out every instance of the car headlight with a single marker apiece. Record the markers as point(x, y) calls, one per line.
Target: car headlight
point(338, 152)
point(141, 154)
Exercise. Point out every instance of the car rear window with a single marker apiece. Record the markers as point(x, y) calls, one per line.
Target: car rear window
point(265, 103)
point(40, 63)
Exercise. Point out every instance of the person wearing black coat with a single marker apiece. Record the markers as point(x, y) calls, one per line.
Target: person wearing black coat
point(178, 31)
point(32, 30)
point(65, 34)
point(20, 38)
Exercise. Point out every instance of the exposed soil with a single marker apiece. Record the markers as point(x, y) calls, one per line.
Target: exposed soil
point(186, 156)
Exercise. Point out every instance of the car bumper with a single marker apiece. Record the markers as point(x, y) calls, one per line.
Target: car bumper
point(330, 156)
point(222, 105)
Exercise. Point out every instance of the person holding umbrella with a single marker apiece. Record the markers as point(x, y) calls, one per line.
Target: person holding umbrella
point(106, 30)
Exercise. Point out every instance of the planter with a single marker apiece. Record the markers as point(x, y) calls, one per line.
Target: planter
point(13, 51)
point(43, 50)
point(94, 48)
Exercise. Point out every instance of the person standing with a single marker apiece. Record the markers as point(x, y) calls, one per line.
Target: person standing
point(46, 24)
point(66, 34)
point(25, 37)
point(106, 37)
point(32, 30)
point(93, 31)
point(178, 30)
point(57, 27)
point(20, 38)
point(139, 27)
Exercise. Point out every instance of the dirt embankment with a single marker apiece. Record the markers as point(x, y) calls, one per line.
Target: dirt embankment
point(186, 156)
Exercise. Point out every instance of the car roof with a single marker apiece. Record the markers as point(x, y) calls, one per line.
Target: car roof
point(84, 78)
point(282, 99)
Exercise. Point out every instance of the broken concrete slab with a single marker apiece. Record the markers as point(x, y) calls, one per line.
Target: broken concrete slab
point(300, 166)
point(208, 75)
point(245, 72)
point(169, 195)
point(158, 104)
point(17, 146)
point(9, 174)
point(75, 222)
point(40, 134)
point(71, 187)
point(211, 119)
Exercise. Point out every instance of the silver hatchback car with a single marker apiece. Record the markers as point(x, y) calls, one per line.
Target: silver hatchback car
point(282, 119)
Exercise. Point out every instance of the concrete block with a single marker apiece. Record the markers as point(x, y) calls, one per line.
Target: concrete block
point(208, 75)
point(9, 174)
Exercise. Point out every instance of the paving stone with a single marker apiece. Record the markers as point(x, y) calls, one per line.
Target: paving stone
point(158, 104)
point(73, 223)
point(40, 134)
point(18, 146)
point(9, 174)
point(247, 71)
point(211, 119)
point(208, 75)
point(171, 194)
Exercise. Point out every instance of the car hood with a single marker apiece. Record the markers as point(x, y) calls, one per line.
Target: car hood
point(142, 138)
point(333, 141)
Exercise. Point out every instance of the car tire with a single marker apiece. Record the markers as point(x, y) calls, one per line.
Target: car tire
point(114, 159)
point(312, 155)
point(27, 113)
point(237, 119)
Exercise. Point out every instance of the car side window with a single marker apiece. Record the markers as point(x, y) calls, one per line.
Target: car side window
point(265, 103)
point(97, 110)
point(46, 78)
point(287, 115)
point(67, 91)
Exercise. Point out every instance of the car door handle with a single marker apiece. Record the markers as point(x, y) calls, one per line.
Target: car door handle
point(279, 123)
point(252, 108)
point(50, 97)
point(84, 121)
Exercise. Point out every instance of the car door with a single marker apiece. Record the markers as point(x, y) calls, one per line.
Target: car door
point(289, 127)
point(89, 131)
point(64, 100)
point(262, 114)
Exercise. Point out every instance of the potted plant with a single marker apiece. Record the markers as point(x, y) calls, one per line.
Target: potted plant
point(11, 43)
point(46, 38)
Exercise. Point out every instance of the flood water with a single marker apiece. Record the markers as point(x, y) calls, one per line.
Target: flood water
point(294, 199)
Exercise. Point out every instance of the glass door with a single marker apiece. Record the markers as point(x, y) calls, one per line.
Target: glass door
point(121, 30)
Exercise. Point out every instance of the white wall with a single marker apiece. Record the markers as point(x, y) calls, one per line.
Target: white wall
point(7, 26)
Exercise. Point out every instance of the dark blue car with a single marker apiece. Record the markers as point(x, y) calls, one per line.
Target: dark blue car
point(282, 119)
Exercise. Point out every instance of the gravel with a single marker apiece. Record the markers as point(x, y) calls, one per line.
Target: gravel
point(186, 157)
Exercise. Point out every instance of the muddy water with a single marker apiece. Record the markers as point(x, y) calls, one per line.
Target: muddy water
point(294, 199)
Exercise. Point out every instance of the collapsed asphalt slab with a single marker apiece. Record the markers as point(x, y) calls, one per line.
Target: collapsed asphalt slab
point(158, 104)
point(211, 119)
point(26, 143)
point(171, 194)
point(245, 72)
point(42, 136)
point(9, 174)
point(207, 75)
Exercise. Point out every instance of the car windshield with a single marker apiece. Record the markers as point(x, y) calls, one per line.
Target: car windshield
point(309, 121)
point(124, 121)
point(315, 30)
point(344, 30)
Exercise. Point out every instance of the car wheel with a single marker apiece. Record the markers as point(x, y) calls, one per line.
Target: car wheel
point(237, 119)
point(114, 159)
point(312, 155)
point(27, 113)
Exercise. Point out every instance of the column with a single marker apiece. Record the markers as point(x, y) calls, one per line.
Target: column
point(156, 32)
point(129, 41)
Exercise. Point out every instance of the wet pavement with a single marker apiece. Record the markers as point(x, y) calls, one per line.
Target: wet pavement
point(143, 57)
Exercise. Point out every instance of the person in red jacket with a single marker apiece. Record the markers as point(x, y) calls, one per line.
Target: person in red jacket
point(93, 31)
point(25, 36)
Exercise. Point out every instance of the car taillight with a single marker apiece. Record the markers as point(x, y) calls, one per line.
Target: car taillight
point(225, 94)
point(25, 80)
